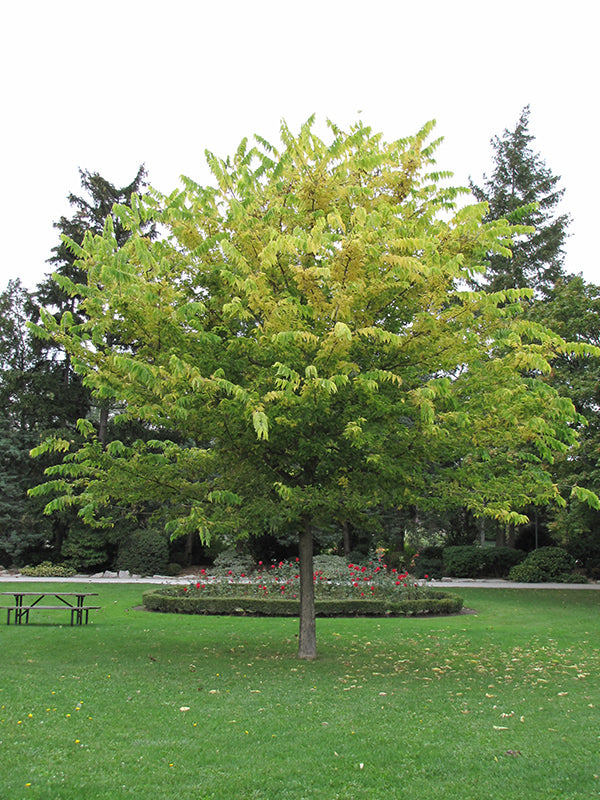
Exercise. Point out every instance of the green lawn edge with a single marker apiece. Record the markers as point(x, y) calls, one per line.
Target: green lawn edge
point(438, 603)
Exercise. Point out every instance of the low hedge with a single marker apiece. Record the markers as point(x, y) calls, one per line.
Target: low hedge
point(471, 561)
point(437, 603)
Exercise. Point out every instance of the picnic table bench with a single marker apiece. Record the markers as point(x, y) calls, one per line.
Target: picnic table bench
point(75, 603)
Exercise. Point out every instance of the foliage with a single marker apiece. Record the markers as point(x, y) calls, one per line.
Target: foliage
point(498, 561)
point(523, 189)
point(573, 310)
point(429, 561)
point(232, 560)
point(49, 570)
point(469, 561)
point(304, 326)
point(174, 602)
point(463, 561)
point(545, 565)
point(332, 567)
point(585, 549)
point(87, 548)
point(144, 552)
point(340, 589)
point(27, 400)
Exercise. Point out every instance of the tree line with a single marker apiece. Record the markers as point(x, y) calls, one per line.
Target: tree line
point(327, 347)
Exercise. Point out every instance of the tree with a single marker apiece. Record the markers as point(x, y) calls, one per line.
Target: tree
point(523, 189)
point(573, 311)
point(304, 325)
point(91, 213)
point(26, 409)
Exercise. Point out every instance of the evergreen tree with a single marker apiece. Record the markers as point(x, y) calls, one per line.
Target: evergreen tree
point(26, 409)
point(573, 311)
point(91, 213)
point(523, 189)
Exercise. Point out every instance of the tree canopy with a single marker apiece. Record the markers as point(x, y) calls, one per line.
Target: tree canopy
point(305, 326)
point(523, 189)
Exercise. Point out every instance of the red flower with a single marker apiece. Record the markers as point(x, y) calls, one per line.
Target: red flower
point(197, 586)
point(202, 572)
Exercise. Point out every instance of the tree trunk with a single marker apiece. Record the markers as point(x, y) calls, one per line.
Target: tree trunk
point(103, 425)
point(346, 537)
point(500, 535)
point(307, 641)
point(510, 535)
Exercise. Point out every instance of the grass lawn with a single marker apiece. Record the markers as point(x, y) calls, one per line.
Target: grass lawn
point(503, 703)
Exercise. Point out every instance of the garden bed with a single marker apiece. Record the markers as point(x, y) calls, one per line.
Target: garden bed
point(176, 600)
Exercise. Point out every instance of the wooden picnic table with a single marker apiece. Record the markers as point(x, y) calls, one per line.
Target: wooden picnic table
point(75, 601)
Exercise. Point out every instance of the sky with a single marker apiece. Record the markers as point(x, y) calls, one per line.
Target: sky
point(108, 86)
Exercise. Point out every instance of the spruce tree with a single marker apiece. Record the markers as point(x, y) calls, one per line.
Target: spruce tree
point(523, 189)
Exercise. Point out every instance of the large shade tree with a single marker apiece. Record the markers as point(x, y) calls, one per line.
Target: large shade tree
point(304, 324)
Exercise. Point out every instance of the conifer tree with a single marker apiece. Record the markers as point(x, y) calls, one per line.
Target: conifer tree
point(522, 189)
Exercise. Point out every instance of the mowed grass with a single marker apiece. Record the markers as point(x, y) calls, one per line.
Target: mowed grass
point(503, 703)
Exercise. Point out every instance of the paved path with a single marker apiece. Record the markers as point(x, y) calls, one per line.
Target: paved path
point(486, 583)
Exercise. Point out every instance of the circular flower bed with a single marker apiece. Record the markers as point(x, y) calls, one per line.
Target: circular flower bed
point(361, 590)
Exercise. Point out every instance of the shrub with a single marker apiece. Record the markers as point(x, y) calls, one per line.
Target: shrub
point(545, 565)
point(585, 549)
point(176, 600)
point(428, 561)
point(86, 548)
point(48, 570)
point(144, 552)
point(331, 567)
point(232, 560)
point(472, 561)
point(498, 561)
point(463, 561)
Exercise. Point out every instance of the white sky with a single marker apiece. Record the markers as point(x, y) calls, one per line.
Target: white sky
point(108, 85)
